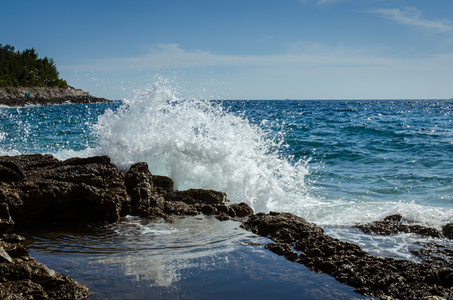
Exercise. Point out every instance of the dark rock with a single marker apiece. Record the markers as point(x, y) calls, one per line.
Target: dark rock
point(447, 230)
point(241, 209)
point(348, 263)
point(163, 184)
point(278, 248)
point(73, 190)
point(145, 201)
point(22, 277)
point(435, 254)
point(6, 222)
point(394, 224)
point(5, 257)
point(222, 217)
point(43, 189)
point(208, 210)
point(77, 161)
point(180, 208)
point(207, 196)
point(9, 171)
point(269, 224)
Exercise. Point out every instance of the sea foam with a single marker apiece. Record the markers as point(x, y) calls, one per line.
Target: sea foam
point(201, 145)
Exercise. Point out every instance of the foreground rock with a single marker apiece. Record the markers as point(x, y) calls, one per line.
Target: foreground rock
point(22, 277)
point(12, 96)
point(433, 252)
point(395, 224)
point(41, 189)
point(38, 189)
point(305, 243)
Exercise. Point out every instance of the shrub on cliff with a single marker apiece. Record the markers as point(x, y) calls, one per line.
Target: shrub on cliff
point(19, 69)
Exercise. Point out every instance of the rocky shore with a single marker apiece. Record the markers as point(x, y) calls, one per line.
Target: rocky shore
point(40, 190)
point(12, 96)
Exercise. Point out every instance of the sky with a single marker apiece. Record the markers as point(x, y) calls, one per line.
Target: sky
point(243, 49)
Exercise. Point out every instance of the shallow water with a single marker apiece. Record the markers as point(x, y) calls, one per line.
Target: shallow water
point(193, 258)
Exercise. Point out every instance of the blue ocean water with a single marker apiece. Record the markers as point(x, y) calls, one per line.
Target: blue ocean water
point(333, 162)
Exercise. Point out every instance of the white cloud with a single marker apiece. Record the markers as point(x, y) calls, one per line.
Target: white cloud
point(310, 71)
point(164, 56)
point(319, 2)
point(414, 17)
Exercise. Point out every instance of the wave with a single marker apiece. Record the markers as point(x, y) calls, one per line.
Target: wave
point(199, 144)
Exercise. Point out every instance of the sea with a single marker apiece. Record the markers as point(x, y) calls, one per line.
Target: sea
point(333, 162)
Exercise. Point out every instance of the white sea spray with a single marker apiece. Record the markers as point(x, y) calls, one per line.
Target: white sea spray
point(200, 145)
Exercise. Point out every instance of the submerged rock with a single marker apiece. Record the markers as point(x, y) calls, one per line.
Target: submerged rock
point(22, 277)
point(304, 242)
point(395, 224)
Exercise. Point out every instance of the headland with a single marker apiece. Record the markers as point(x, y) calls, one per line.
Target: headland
point(21, 96)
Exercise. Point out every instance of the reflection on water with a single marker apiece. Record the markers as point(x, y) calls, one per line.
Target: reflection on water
point(193, 258)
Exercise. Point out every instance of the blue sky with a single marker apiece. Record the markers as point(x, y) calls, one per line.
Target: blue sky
point(243, 49)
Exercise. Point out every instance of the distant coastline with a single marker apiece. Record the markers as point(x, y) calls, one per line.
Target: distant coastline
point(21, 96)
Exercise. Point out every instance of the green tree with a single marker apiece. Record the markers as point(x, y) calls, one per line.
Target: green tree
point(27, 69)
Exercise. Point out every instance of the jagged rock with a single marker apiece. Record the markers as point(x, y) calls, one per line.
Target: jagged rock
point(447, 230)
point(394, 224)
point(75, 189)
point(347, 262)
point(207, 196)
point(241, 210)
point(9, 171)
point(278, 248)
point(222, 217)
point(40, 189)
point(22, 277)
point(139, 185)
point(163, 184)
point(6, 222)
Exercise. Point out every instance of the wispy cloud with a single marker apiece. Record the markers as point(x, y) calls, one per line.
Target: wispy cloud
point(164, 56)
point(319, 2)
point(414, 17)
point(311, 71)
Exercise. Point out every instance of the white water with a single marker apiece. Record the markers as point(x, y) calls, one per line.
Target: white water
point(199, 145)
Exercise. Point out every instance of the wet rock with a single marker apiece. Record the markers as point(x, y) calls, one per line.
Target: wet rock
point(6, 222)
point(435, 254)
point(394, 224)
point(72, 190)
point(180, 208)
point(278, 248)
point(348, 263)
point(207, 196)
point(222, 217)
point(447, 230)
point(163, 184)
point(22, 277)
point(241, 210)
point(42, 190)
point(145, 201)
point(9, 171)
